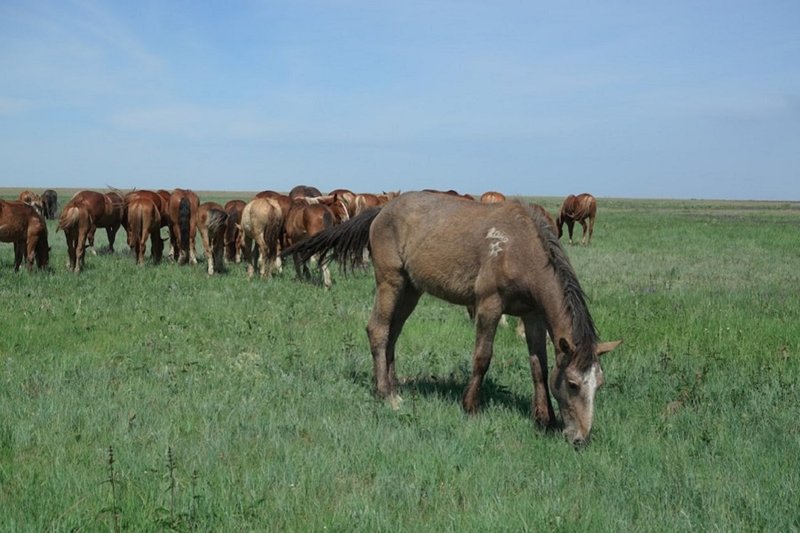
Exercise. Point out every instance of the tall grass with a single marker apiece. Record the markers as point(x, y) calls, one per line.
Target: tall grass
point(236, 404)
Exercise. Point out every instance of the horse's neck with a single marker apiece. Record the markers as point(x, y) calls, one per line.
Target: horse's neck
point(556, 313)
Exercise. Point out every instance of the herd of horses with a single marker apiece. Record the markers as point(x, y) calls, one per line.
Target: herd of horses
point(492, 255)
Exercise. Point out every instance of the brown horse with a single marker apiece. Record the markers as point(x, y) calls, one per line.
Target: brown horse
point(106, 212)
point(578, 208)
point(23, 226)
point(492, 197)
point(211, 222)
point(234, 241)
point(501, 258)
point(143, 220)
point(50, 201)
point(365, 201)
point(304, 221)
point(183, 204)
point(262, 223)
point(303, 191)
point(76, 223)
point(347, 197)
point(33, 200)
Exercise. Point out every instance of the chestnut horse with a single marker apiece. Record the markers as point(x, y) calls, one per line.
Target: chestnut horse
point(492, 197)
point(578, 208)
point(33, 200)
point(76, 223)
point(262, 223)
point(143, 220)
point(303, 221)
point(211, 221)
point(22, 225)
point(234, 241)
point(303, 191)
point(106, 212)
point(501, 258)
point(183, 204)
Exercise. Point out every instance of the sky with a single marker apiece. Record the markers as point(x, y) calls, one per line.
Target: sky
point(632, 99)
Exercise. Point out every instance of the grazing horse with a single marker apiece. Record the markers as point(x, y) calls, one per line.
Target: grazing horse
point(183, 204)
point(106, 212)
point(262, 223)
point(23, 226)
point(211, 221)
point(76, 223)
point(50, 201)
point(234, 241)
point(578, 208)
point(33, 200)
point(347, 197)
point(303, 191)
point(501, 258)
point(304, 221)
point(492, 197)
point(366, 200)
point(143, 220)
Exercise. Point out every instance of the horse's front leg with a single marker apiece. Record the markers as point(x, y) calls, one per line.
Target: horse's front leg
point(536, 340)
point(111, 233)
point(488, 313)
point(90, 238)
point(583, 235)
point(192, 248)
point(19, 251)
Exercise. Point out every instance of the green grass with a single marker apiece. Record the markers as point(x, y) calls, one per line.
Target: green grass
point(234, 404)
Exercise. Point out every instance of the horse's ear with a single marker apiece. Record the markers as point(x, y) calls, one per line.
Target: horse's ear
point(605, 347)
point(563, 353)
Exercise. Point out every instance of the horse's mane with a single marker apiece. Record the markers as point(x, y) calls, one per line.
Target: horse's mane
point(584, 333)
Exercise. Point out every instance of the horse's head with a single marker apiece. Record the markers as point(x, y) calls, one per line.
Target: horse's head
point(574, 388)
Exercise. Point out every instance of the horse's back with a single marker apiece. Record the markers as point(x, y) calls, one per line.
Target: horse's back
point(451, 248)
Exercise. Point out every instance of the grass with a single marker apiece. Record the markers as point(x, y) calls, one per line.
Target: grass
point(232, 404)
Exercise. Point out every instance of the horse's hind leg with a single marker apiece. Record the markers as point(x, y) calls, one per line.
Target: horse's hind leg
point(111, 233)
point(488, 315)
point(585, 229)
point(536, 340)
point(570, 228)
point(395, 299)
point(591, 228)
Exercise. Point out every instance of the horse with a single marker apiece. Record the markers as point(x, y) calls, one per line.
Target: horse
point(106, 212)
point(492, 197)
point(346, 196)
point(364, 201)
point(303, 191)
point(183, 204)
point(234, 242)
point(501, 258)
point(76, 223)
point(303, 221)
point(211, 222)
point(50, 201)
point(262, 222)
point(33, 200)
point(578, 208)
point(143, 220)
point(452, 192)
point(23, 226)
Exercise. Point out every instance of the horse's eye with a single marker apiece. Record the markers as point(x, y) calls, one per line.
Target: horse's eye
point(573, 386)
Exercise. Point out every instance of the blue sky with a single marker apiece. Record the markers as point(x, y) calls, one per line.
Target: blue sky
point(627, 99)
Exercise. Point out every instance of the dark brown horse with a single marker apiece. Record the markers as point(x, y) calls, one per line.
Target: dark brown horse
point(581, 208)
point(211, 221)
point(50, 201)
point(106, 212)
point(234, 241)
point(23, 226)
point(143, 221)
point(303, 191)
point(183, 205)
point(501, 258)
point(76, 223)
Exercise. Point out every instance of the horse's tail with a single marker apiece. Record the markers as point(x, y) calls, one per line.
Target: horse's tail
point(184, 216)
point(70, 216)
point(343, 243)
point(272, 234)
point(135, 224)
point(216, 220)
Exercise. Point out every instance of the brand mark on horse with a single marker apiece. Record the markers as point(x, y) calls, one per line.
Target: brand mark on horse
point(498, 238)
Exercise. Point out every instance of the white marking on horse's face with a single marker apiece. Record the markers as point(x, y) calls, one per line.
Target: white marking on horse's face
point(575, 394)
point(497, 238)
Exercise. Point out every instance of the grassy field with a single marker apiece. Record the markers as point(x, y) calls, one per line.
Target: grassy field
point(159, 398)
